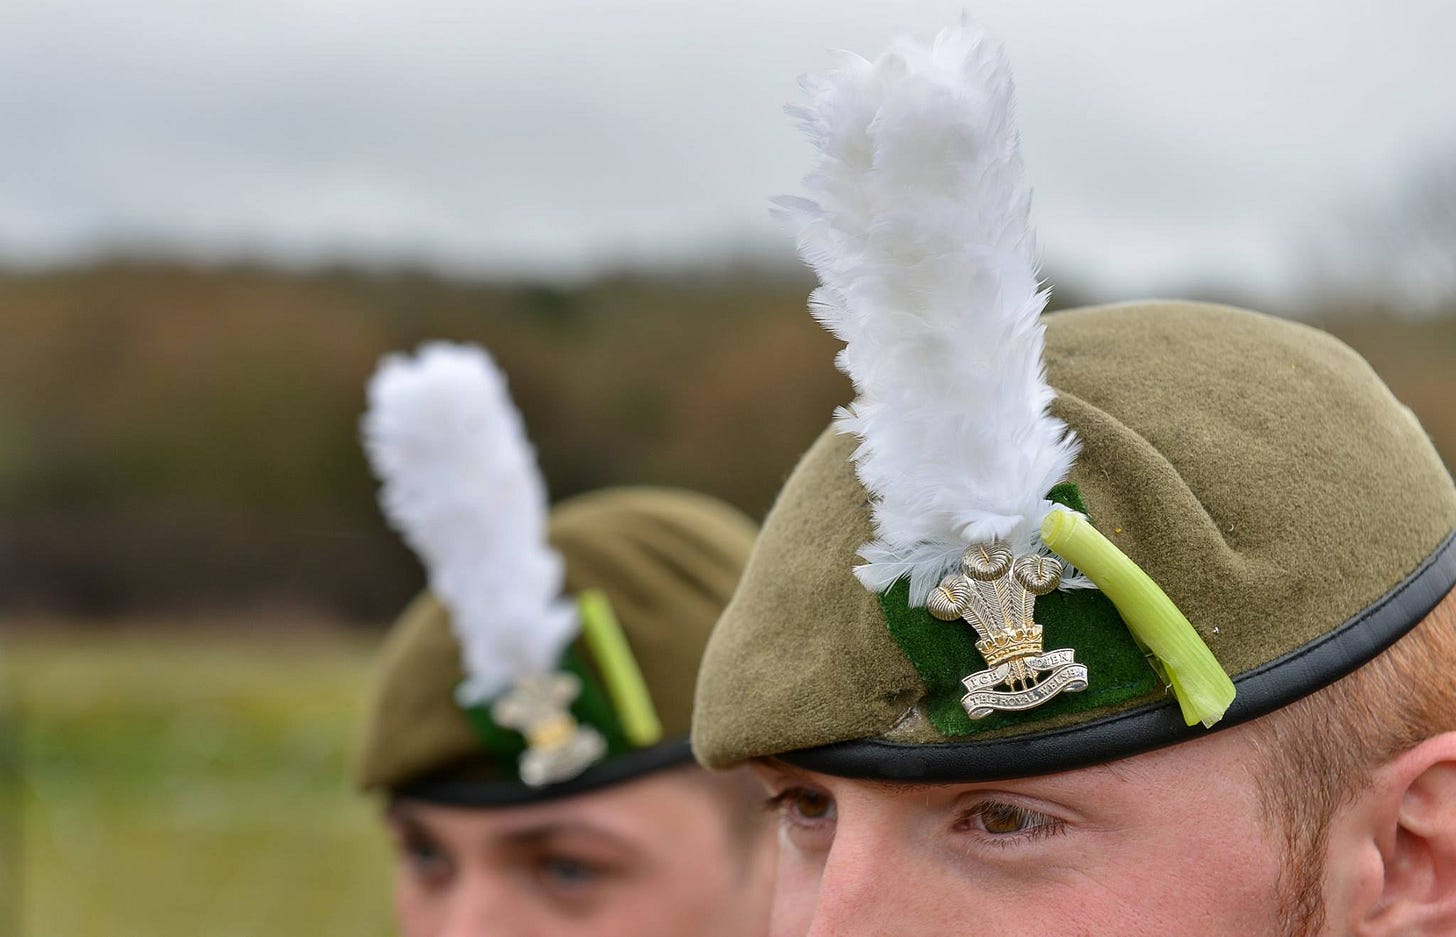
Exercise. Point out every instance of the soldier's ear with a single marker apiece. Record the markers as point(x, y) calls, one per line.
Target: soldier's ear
point(1413, 803)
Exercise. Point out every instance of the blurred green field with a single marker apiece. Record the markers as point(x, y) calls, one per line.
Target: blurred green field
point(190, 782)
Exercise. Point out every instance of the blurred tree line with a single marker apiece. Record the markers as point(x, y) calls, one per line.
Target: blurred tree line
point(179, 441)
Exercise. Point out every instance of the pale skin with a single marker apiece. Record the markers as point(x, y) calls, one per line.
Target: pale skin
point(1170, 842)
point(652, 857)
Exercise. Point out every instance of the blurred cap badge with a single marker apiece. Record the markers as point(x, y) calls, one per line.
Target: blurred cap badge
point(558, 747)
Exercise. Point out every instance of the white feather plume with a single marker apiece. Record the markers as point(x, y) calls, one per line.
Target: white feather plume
point(918, 228)
point(461, 485)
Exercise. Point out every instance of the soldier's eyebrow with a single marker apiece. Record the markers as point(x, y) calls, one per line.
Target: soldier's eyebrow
point(399, 811)
point(408, 820)
point(532, 836)
point(537, 836)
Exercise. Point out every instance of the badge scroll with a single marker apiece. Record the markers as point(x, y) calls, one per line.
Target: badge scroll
point(995, 593)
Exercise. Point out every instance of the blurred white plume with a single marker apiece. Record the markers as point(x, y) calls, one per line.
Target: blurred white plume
point(461, 485)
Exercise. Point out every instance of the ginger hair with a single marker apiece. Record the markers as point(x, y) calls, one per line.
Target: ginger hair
point(1319, 752)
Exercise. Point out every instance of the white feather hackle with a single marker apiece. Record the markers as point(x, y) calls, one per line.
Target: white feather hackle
point(918, 228)
point(461, 485)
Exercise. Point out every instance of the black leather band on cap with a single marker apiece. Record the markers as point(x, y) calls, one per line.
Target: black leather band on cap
point(1260, 691)
point(461, 792)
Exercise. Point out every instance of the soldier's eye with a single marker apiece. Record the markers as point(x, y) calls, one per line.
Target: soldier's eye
point(426, 861)
point(567, 872)
point(999, 820)
point(812, 805)
point(803, 806)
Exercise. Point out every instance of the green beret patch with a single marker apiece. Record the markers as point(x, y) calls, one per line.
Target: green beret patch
point(1083, 619)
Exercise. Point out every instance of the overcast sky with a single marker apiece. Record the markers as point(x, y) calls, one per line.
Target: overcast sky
point(1168, 142)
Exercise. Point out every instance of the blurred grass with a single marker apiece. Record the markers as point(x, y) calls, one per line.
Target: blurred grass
point(188, 781)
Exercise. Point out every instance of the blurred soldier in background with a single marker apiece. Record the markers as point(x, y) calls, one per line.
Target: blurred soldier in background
point(528, 727)
point(1135, 620)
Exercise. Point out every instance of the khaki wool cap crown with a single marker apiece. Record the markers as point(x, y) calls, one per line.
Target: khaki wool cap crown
point(1257, 469)
point(667, 560)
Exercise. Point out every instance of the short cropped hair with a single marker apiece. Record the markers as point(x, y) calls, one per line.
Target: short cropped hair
point(1319, 752)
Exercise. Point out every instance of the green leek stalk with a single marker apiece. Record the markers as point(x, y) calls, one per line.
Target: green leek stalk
point(619, 669)
point(1203, 690)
